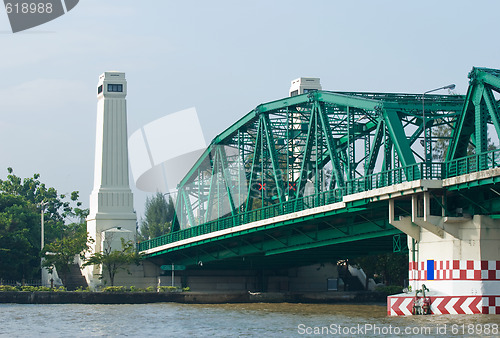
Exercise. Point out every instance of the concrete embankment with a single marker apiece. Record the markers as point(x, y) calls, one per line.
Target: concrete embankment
point(39, 297)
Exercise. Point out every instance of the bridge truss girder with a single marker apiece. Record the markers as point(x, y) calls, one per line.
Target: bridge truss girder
point(304, 145)
point(480, 109)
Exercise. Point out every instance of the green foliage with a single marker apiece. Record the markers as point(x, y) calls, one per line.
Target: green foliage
point(29, 288)
point(19, 237)
point(158, 216)
point(20, 212)
point(441, 135)
point(4, 288)
point(81, 289)
point(168, 288)
point(59, 289)
point(390, 268)
point(115, 260)
point(389, 289)
point(114, 289)
point(61, 252)
point(7, 288)
point(44, 289)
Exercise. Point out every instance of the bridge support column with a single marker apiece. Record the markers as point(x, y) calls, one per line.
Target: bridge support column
point(458, 261)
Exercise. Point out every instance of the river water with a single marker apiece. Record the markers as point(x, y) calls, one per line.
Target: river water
point(232, 320)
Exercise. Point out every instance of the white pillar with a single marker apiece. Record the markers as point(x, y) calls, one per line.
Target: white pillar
point(111, 201)
point(460, 266)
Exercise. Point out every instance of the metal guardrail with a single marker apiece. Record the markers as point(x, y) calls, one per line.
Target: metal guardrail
point(295, 205)
point(30, 282)
point(472, 163)
point(395, 176)
point(431, 171)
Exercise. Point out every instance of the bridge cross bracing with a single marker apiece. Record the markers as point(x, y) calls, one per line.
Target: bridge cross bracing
point(299, 163)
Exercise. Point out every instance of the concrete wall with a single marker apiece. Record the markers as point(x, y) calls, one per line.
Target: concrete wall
point(463, 262)
point(477, 239)
point(141, 276)
point(312, 277)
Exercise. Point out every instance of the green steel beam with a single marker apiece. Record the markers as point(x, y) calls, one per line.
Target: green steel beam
point(332, 151)
point(187, 205)
point(283, 103)
point(398, 137)
point(486, 75)
point(347, 100)
point(255, 160)
point(478, 106)
point(332, 241)
point(210, 198)
point(481, 127)
point(463, 129)
point(492, 107)
point(271, 146)
point(307, 153)
point(224, 172)
point(377, 142)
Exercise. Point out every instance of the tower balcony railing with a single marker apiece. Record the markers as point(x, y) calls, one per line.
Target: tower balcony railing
point(428, 171)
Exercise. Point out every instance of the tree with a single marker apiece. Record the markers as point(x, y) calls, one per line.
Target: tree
point(20, 208)
point(441, 134)
point(158, 217)
point(114, 260)
point(390, 268)
point(62, 251)
point(19, 241)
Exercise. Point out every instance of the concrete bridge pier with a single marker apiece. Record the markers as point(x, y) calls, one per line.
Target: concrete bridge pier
point(455, 260)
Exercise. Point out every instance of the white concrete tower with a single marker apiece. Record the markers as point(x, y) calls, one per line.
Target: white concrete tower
point(111, 214)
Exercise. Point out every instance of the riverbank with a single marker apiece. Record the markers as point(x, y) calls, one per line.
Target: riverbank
point(68, 297)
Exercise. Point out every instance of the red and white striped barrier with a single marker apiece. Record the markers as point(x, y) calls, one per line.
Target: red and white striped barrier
point(457, 270)
point(402, 305)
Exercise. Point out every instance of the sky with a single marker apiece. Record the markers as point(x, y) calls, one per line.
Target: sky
point(223, 58)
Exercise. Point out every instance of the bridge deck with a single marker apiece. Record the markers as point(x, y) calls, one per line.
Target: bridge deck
point(364, 212)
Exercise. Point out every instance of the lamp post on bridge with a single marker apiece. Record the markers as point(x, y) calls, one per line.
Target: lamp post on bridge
point(427, 152)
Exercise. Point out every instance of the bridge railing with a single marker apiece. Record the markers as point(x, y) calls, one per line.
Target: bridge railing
point(472, 163)
point(288, 207)
point(434, 170)
point(382, 179)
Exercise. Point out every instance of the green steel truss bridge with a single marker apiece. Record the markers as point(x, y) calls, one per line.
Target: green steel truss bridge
point(311, 177)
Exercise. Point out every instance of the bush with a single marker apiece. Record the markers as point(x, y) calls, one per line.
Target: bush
point(150, 289)
point(186, 289)
point(29, 288)
point(389, 289)
point(81, 289)
point(113, 289)
point(168, 288)
point(8, 288)
point(43, 288)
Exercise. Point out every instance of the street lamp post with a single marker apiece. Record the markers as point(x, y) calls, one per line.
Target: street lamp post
point(42, 236)
point(427, 151)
